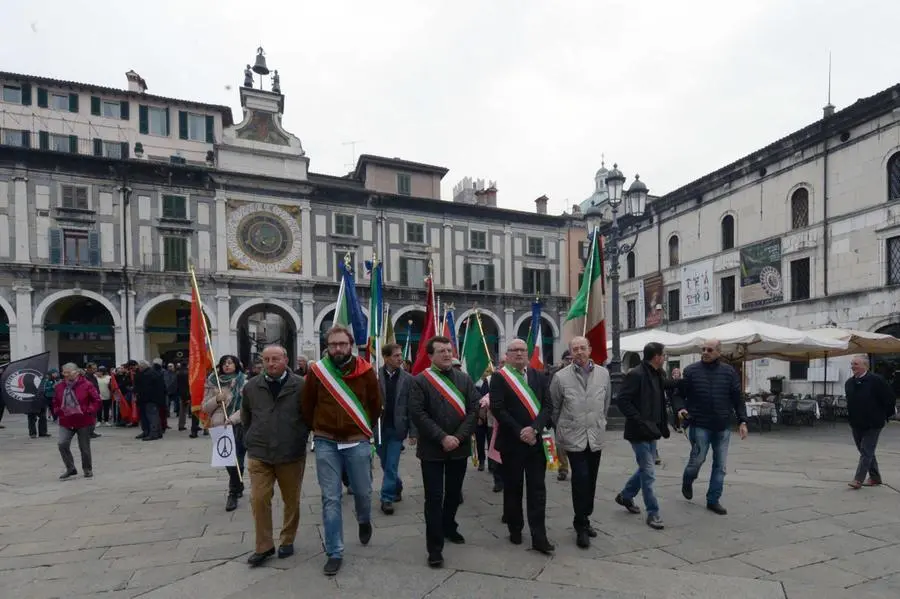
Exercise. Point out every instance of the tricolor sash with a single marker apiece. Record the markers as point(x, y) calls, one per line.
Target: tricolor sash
point(332, 380)
point(519, 385)
point(447, 390)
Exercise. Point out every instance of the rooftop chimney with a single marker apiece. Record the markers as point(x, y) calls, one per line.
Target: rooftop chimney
point(541, 204)
point(136, 83)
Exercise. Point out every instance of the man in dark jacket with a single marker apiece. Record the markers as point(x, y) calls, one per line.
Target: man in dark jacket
point(520, 401)
point(275, 436)
point(394, 383)
point(150, 389)
point(443, 406)
point(711, 391)
point(642, 400)
point(870, 402)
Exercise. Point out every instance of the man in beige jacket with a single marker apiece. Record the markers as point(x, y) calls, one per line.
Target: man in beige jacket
point(580, 393)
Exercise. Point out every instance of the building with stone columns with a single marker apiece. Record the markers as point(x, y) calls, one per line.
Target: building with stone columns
point(107, 195)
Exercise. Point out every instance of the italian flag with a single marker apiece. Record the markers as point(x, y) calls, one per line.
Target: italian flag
point(590, 303)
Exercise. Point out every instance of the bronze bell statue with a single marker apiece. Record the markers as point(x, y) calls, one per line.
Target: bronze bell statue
point(260, 67)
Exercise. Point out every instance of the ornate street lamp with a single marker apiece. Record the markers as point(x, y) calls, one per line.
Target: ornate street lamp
point(635, 204)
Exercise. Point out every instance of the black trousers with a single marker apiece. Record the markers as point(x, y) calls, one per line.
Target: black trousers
point(39, 419)
point(866, 441)
point(482, 438)
point(235, 482)
point(584, 466)
point(525, 471)
point(443, 481)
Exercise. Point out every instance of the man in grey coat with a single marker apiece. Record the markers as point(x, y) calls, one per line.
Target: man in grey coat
point(275, 437)
point(394, 383)
point(580, 393)
point(443, 406)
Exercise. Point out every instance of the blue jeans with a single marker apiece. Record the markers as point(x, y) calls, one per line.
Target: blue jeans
point(389, 454)
point(643, 479)
point(330, 463)
point(701, 441)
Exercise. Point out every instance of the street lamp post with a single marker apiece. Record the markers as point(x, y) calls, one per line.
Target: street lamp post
point(635, 204)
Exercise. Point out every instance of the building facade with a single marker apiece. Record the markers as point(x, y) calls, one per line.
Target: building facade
point(107, 197)
point(803, 233)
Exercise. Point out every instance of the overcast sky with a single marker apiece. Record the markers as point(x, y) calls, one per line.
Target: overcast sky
point(529, 93)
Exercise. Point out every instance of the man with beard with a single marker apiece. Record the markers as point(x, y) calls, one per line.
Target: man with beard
point(341, 402)
point(520, 401)
point(443, 406)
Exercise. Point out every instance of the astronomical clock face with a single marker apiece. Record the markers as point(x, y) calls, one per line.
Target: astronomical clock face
point(263, 237)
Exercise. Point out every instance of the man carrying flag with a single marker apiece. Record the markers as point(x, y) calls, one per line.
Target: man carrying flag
point(520, 402)
point(443, 406)
point(341, 404)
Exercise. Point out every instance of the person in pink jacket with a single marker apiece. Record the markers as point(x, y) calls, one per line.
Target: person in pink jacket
point(76, 401)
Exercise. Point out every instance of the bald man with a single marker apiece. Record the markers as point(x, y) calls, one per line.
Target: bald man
point(711, 392)
point(870, 403)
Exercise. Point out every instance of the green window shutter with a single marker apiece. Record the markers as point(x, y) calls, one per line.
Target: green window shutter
point(73, 102)
point(404, 272)
point(95, 106)
point(55, 240)
point(98, 146)
point(168, 129)
point(94, 247)
point(489, 285)
point(73, 144)
point(26, 94)
point(125, 110)
point(124, 150)
point(182, 124)
point(43, 140)
point(210, 130)
point(467, 276)
point(143, 119)
point(26, 139)
point(42, 98)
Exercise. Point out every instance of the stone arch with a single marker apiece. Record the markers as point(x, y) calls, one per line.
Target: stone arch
point(406, 310)
point(40, 313)
point(259, 301)
point(10, 312)
point(141, 317)
point(725, 243)
point(673, 249)
point(553, 326)
point(501, 330)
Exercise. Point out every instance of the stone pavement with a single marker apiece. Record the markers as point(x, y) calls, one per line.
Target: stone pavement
point(151, 524)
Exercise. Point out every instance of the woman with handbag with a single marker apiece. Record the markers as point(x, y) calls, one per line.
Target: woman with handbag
point(222, 403)
point(76, 402)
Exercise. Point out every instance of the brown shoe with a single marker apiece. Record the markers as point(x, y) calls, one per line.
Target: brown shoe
point(855, 485)
point(872, 482)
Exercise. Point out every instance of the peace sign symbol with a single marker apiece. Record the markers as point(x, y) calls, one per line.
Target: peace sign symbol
point(224, 447)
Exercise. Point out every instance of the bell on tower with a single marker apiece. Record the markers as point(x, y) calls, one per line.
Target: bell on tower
point(260, 67)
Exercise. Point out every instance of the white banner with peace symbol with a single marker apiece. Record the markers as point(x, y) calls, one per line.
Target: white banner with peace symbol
point(224, 449)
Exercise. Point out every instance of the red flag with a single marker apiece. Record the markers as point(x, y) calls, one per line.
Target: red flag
point(422, 360)
point(199, 363)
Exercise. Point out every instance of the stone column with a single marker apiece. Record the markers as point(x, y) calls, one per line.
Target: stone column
point(509, 323)
point(508, 286)
point(310, 346)
point(23, 243)
point(306, 239)
point(29, 339)
point(221, 233)
point(222, 341)
point(563, 251)
point(135, 348)
point(449, 262)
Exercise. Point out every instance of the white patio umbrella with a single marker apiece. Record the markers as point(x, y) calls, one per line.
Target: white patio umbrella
point(750, 339)
point(637, 341)
point(858, 342)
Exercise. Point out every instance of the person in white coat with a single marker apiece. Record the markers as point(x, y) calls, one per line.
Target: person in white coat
point(580, 393)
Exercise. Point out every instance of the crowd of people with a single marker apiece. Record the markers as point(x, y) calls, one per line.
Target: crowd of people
point(346, 412)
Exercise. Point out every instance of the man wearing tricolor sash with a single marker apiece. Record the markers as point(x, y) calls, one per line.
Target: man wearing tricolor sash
point(443, 406)
point(520, 401)
point(341, 404)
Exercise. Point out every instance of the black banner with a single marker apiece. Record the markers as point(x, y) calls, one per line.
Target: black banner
point(22, 384)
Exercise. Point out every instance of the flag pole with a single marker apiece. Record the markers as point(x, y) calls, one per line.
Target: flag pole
point(212, 358)
point(589, 272)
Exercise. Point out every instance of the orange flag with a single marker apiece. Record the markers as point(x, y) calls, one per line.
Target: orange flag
point(199, 362)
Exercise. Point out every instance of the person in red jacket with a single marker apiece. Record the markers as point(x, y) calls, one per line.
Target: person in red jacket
point(76, 401)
